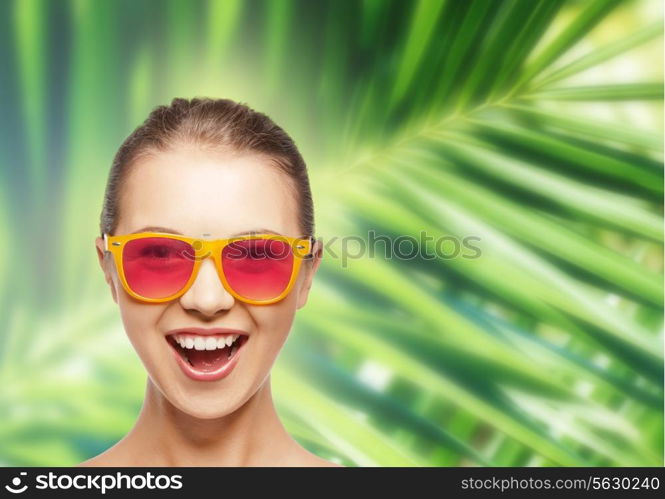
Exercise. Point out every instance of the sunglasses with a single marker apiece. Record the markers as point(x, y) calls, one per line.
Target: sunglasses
point(256, 269)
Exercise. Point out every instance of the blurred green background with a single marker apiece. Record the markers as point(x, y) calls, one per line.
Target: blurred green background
point(534, 125)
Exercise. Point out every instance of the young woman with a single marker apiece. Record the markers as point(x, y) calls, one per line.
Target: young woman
point(207, 247)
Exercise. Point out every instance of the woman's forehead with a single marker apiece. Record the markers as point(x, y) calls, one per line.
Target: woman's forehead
point(198, 193)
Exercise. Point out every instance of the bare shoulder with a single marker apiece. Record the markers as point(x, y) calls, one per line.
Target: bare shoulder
point(110, 458)
point(330, 464)
point(93, 462)
point(315, 461)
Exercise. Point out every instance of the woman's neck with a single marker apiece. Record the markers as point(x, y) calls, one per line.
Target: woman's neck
point(253, 435)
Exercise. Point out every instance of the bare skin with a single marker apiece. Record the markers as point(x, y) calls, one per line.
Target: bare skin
point(175, 440)
point(231, 421)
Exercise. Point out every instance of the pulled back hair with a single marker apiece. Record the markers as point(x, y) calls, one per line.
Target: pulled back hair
point(209, 123)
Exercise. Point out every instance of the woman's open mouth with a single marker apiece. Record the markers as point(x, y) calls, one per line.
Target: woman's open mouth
point(207, 357)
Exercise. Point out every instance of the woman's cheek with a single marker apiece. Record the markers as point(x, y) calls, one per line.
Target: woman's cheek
point(140, 324)
point(274, 323)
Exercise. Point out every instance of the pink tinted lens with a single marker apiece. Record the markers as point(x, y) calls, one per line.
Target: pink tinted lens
point(258, 269)
point(157, 267)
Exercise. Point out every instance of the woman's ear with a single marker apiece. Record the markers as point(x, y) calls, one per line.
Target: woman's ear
point(105, 264)
point(311, 265)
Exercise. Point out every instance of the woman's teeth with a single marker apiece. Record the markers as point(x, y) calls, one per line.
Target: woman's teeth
point(213, 342)
point(198, 342)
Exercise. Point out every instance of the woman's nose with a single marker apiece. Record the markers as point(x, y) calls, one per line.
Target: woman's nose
point(207, 293)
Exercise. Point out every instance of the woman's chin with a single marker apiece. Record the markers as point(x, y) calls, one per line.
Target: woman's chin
point(208, 406)
point(207, 414)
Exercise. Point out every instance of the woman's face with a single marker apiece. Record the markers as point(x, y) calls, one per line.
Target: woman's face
point(195, 192)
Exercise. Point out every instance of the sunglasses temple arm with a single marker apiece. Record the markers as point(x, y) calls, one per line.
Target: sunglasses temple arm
point(311, 247)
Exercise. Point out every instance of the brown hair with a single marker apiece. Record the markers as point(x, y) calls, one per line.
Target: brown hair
point(216, 123)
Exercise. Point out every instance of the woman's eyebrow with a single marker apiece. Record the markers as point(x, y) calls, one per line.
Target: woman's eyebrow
point(256, 231)
point(153, 228)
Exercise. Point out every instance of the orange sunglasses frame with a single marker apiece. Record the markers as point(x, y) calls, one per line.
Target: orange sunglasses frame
point(204, 248)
